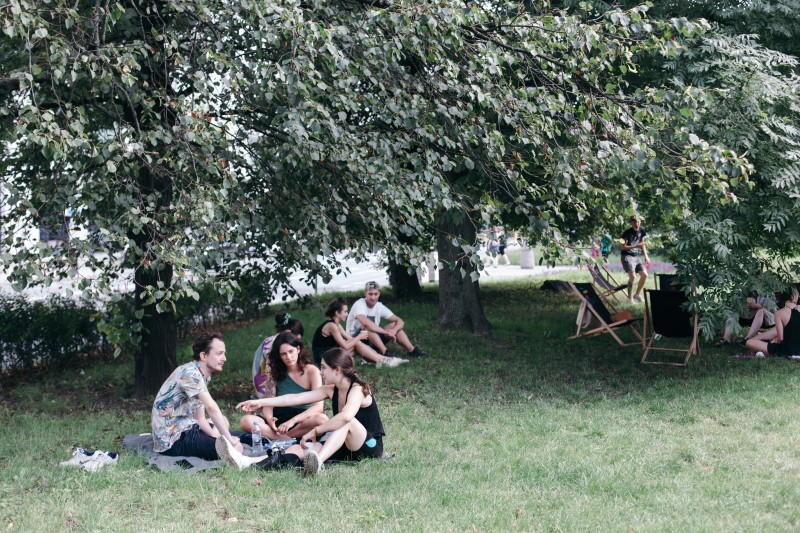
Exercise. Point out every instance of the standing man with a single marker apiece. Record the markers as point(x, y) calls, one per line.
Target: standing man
point(366, 314)
point(179, 412)
point(634, 242)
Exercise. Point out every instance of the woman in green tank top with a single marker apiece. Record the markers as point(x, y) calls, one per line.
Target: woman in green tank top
point(291, 370)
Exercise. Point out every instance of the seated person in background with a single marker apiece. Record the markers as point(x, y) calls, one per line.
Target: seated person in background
point(291, 372)
point(759, 315)
point(330, 334)
point(178, 417)
point(366, 314)
point(283, 322)
point(784, 339)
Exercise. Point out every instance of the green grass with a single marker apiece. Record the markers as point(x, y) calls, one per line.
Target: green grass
point(526, 431)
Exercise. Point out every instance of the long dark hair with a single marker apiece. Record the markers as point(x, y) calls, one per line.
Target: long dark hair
point(343, 360)
point(335, 306)
point(277, 368)
point(285, 322)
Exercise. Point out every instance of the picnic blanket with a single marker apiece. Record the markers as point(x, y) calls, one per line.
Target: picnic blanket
point(142, 443)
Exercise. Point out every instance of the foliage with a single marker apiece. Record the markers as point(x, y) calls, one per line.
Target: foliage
point(55, 332)
point(193, 140)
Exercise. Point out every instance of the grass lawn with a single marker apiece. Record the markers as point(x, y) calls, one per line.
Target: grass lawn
point(527, 431)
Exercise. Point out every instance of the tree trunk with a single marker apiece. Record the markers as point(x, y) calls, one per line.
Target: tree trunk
point(459, 297)
point(157, 355)
point(405, 286)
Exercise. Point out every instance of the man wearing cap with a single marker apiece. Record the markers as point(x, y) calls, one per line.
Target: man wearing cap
point(366, 314)
point(634, 242)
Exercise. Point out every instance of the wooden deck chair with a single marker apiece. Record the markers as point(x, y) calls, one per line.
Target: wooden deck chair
point(609, 321)
point(666, 318)
point(603, 284)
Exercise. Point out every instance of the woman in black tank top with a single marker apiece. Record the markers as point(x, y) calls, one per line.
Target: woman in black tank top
point(355, 432)
point(784, 339)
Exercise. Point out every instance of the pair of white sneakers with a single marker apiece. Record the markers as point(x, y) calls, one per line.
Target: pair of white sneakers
point(390, 362)
point(91, 461)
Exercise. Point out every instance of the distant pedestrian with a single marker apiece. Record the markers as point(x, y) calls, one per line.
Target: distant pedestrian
point(501, 249)
point(634, 243)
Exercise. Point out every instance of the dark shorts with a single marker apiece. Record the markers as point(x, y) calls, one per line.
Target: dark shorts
point(502, 250)
point(371, 449)
point(631, 263)
point(194, 443)
point(384, 338)
point(284, 414)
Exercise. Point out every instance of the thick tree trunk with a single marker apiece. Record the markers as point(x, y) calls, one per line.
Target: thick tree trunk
point(157, 355)
point(405, 286)
point(459, 297)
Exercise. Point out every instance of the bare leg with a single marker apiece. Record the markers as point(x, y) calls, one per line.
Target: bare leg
point(368, 353)
point(297, 431)
point(630, 285)
point(758, 321)
point(759, 343)
point(352, 435)
point(402, 340)
point(376, 341)
point(642, 281)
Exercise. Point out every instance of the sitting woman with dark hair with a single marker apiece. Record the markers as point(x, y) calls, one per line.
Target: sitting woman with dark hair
point(784, 339)
point(290, 373)
point(283, 322)
point(354, 433)
point(330, 334)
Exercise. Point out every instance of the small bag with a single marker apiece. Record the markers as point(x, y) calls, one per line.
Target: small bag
point(622, 316)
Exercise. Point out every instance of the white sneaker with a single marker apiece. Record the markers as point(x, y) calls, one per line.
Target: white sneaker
point(391, 362)
point(100, 459)
point(639, 298)
point(232, 456)
point(312, 464)
point(760, 354)
point(79, 456)
point(91, 462)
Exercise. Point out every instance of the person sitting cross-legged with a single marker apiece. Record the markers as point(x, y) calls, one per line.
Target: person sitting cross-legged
point(290, 372)
point(330, 334)
point(178, 418)
point(366, 314)
point(355, 431)
point(784, 339)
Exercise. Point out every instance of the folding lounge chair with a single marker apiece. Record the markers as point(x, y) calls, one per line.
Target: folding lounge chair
point(667, 282)
point(603, 284)
point(592, 303)
point(666, 318)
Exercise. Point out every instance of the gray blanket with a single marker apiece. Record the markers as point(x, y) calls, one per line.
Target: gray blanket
point(143, 444)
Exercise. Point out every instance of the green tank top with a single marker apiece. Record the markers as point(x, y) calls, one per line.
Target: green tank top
point(290, 386)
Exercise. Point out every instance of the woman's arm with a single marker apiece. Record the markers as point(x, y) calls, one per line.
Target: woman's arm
point(288, 400)
point(348, 413)
point(342, 338)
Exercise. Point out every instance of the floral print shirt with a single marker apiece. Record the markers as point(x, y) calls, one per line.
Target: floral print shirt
point(176, 405)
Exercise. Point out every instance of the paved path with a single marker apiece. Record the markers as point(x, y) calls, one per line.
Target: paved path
point(354, 277)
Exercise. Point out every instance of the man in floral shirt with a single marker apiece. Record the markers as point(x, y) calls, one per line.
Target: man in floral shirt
point(179, 412)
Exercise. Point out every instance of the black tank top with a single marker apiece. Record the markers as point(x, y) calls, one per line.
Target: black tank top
point(321, 344)
point(368, 416)
point(791, 336)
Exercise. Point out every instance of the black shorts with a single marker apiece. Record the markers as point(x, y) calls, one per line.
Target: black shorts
point(194, 443)
point(284, 414)
point(371, 449)
point(385, 339)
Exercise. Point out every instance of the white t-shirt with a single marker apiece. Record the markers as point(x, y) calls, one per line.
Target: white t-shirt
point(360, 308)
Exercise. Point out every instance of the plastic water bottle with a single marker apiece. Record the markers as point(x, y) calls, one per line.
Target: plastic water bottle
point(256, 436)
